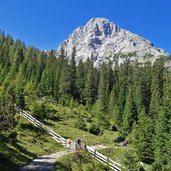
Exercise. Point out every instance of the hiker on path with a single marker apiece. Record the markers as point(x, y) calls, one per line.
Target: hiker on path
point(124, 143)
point(68, 145)
point(78, 143)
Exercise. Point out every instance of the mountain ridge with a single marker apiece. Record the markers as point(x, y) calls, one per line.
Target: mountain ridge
point(103, 40)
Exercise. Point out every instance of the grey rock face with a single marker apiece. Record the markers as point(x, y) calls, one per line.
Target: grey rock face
point(103, 40)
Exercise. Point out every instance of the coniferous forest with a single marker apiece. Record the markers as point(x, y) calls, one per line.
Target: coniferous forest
point(132, 98)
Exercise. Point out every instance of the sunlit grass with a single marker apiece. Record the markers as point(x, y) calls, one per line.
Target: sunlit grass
point(32, 141)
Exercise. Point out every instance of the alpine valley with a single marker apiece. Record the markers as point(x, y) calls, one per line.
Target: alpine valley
point(103, 84)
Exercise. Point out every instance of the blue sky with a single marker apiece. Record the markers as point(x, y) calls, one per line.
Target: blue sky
point(46, 23)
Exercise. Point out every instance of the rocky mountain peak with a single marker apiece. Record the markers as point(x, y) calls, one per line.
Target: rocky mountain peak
point(102, 26)
point(103, 40)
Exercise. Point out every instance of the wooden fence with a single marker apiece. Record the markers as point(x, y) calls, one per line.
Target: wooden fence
point(100, 157)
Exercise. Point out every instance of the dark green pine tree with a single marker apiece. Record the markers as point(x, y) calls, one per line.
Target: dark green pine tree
point(29, 94)
point(59, 64)
point(18, 57)
point(73, 72)
point(41, 65)
point(90, 91)
point(5, 85)
point(137, 87)
point(143, 141)
point(29, 66)
point(162, 142)
point(110, 76)
point(103, 89)
point(131, 161)
point(6, 113)
point(112, 103)
point(130, 114)
point(41, 87)
point(113, 108)
point(19, 91)
point(156, 87)
point(121, 89)
point(46, 86)
point(65, 91)
point(103, 96)
point(80, 82)
point(119, 106)
point(137, 97)
point(146, 85)
point(6, 55)
point(11, 91)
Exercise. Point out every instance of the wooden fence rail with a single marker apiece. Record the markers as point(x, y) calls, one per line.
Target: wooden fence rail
point(100, 157)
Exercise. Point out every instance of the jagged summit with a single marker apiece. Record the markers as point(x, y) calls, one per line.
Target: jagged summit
point(101, 27)
point(102, 40)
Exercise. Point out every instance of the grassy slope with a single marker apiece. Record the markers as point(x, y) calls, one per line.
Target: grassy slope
point(81, 161)
point(32, 142)
point(65, 127)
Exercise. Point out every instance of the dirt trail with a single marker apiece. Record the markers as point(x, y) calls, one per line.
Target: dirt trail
point(46, 162)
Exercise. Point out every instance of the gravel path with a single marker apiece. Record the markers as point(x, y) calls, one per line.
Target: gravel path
point(46, 162)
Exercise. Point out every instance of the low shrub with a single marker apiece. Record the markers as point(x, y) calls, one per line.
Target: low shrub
point(94, 129)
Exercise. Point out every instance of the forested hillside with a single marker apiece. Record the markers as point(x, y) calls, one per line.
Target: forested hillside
point(131, 98)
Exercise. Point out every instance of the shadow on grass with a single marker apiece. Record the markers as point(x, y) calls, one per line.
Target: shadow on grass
point(60, 166)
point(47, 123)
point(19, 156)
point(66, 137)
point(23, 150)
point(10, 166)
point(11, 159)
point(31, 127)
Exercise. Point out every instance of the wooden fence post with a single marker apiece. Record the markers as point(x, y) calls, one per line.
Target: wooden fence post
point(107, 160)
point(94, 153)
point(85, 146)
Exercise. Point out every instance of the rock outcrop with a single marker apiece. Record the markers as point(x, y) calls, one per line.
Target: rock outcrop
point(103, 40)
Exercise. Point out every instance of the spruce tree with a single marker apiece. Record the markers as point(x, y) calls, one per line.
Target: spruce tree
point(19, 91)
point(80, 82)
point(103, 89)
point(6, 113)
point(137, 87)
point(41, 65)
point(163, 129)
point(143, 141)
point(122, 86)
point(130, 114)
point(146, 85)
point(65, 91)
point(73, 72)
point(131, 161)
point(90, 91)
point(113, 108)
point(156, 87)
